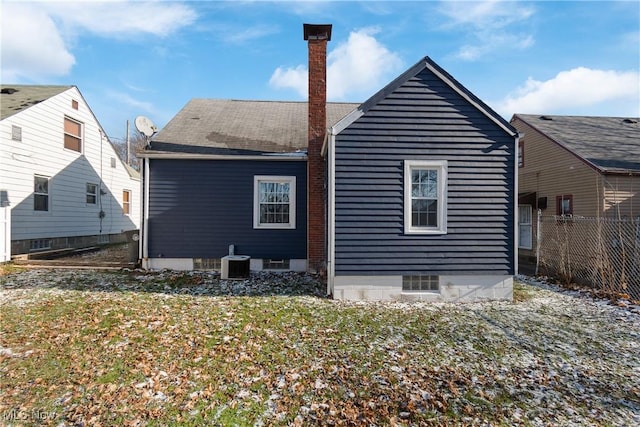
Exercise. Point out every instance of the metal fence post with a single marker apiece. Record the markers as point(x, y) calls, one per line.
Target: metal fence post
point(538, 238)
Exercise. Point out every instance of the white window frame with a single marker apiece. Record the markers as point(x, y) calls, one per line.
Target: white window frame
point(441, 167)
point(127, 203)
point(291, 180)
point(47, 194)
point(522, 224)
point(89, 194)
point(79, 137)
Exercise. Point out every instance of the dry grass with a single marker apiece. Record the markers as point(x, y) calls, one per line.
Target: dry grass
point(123, 349)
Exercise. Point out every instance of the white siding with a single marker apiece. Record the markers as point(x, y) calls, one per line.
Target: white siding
point(42, 152)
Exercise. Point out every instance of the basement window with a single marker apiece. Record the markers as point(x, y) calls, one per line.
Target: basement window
point(207, 264)
point(40, 245)
point(420, 283)
point(275, 264)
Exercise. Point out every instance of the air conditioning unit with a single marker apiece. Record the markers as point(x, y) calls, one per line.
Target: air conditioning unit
point(235, 267)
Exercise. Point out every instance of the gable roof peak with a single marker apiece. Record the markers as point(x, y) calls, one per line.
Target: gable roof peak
point(429, 64)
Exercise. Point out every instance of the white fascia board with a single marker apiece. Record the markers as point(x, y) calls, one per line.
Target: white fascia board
point(346, 121)
point(468, 98)
point(193, 156)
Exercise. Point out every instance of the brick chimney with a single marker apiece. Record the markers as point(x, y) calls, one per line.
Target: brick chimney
point(317, 36)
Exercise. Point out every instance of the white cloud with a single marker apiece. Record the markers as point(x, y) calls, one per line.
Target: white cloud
point(291, 78)
point(32, 47)
point(489, 23)
point(355, 69)
point(487, 13)
point(250, 34)
point(37, 37)
point(123, 18)
point(577, 91)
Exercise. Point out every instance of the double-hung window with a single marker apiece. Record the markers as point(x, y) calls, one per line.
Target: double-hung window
point(425, 197)
point(126, 202)
point(274, 203)
point(564, 205)
point(525, 233)
point(92, 194)
point(72, 135)
point(40, 193)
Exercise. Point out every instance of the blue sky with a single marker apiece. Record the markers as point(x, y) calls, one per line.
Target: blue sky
point(131, 58)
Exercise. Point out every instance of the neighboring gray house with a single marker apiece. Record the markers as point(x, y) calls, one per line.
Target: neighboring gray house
point(410, 195)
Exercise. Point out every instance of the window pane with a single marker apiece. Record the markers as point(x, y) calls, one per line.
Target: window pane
point(72, 127)
point(40, 202)
point(424, 213)
point(274, 202)
point(424, 183)
point(41, 185)
point(72, 143)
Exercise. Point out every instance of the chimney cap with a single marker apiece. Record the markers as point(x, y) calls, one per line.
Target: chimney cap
point(317, 32)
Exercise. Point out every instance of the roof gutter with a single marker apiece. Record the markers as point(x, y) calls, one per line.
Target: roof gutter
point(196, 156)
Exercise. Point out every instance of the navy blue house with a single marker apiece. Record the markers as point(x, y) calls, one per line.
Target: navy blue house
point(410, 195)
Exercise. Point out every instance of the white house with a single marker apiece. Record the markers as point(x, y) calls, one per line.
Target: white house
point(62, 185)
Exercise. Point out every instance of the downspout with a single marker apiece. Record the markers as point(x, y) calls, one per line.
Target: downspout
point(331, 269)
point(516, 215)
point(145, 216)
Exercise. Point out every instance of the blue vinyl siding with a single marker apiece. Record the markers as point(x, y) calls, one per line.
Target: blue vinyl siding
point(198, 208)
point(424, 119)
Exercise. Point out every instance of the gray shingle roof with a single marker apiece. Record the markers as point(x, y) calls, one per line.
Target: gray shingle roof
point(217, 126)
point(24, 96)
point(611, 144)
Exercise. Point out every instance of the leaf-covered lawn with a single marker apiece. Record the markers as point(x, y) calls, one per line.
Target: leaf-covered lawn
point(82, 348)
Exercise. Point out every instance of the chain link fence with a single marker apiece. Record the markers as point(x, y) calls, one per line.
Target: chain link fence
point(600, 253)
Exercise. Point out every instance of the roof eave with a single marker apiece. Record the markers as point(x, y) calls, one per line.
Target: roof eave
point(200, 156)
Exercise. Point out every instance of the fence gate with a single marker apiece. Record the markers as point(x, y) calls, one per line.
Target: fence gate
point(5, 233)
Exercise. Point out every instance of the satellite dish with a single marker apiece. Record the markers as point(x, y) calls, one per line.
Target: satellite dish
point(145, 126)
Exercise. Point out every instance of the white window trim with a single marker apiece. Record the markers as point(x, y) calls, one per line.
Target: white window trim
point(291, 180)
point(91, 194)
point(124, 190)
point(529, 225)
point(48, 194)
point(80, 137)
point(441, 167)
